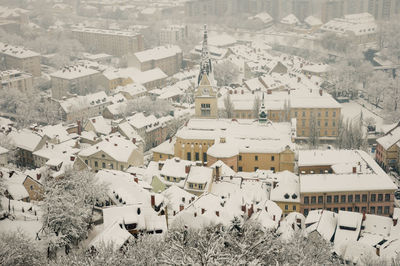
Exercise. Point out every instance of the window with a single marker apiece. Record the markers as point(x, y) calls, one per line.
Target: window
point(122, 168)
point(103, 165)
point(357, 209)
point(349, 209)
point(380, 197)
point(326, 123)
point(343, 198)
point(272, 158)
point(240, 169)
point(343, 209)
point(336, 210)
point(31, 187)
point(111, 166)
point(305, 212)
point(303, 123)
point(363, 209)
point(326, 113)
point(350, 198)
point(190, 185)
point(319, 114)
point(86, 162)
point(319, 123)
point(255, 168)
point(328, 199)
point(273, 169)
point(357, 198)
point(96, 164)
point(334, 123)
point(188, 156)
point(200, 186)
point(204, 157)
point(286, 207)
point(386, 210)
point(336, 198)
point(304, 114)
point(305, 200)
point(320, 199)
point(240, 157)
point(205, 109)
point(256, 158)
point(160, 156)
point(372, 210)
point(334, 114)
point(373, 197)
point(364, 198)
point(295, 114)
point(313, 200)
point(379, 210)
point(197, 156)
point(294, 207)
point(387, 197)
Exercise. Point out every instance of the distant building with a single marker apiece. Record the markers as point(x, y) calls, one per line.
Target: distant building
point(388, 149)
point(113, 42)
point(173, 34)
point(167, 58)
point(16, 80)
point(21, 59)
point(70, 80)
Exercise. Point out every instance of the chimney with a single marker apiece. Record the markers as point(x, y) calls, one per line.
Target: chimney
point(298, 79)
point(363, 217)
point(378, 250)
point(354, 170)
point(273, 217)
point(170, 140)
point(235, 91)
point(79, 127)
point(395, 221)
point(243, 208)
point(38, 176)
point(192, 198)
point(217, 213)
point(230, 92)
point(160, 165)
point(72, 158)
point(203, 210)
point(187, 169)
point(250, 211)
point(181, 207)
point(94, 120)
point(153, 201)
point(269, 91)
point(320, 92)
point(174, 213)
point(136, 180)
point(107, 139)
point(134, 140)
point(293, 226)
point(274, 184)
point(195, 214)
point(242, 91)
point(115, 144)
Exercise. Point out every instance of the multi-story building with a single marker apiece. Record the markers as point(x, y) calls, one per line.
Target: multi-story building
point(173, 34)
point(357, 184)
point(74, 80)
point(302, 105)
point(21, 59)
point(112, 42)
point(387, 150)
point(16, 80)
point(383, 9)
point(360, 27)
point(167, 58)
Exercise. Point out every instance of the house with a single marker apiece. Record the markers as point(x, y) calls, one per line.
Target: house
point(113, 152)
point(14, 189)
point(27, 142)
point(347, 230)
point(33, 185)
point(3, 156)
point(286, 192)
point(99, 125)
point(199, 180)
point(387, 150)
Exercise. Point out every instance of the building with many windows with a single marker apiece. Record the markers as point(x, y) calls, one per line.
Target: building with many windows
point(112, 42)
point(344, 180)
point(19, 58)
point(16, 80)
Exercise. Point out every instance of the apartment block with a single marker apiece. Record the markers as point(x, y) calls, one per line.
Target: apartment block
point(167, 58)
point(112, 42)
point(173, 34)
point(16, 80)
point(19, 58)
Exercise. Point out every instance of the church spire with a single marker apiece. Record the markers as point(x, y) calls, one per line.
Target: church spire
point(263, 115)
point(205, 63)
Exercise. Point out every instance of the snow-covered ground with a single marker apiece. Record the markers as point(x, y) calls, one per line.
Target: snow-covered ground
point(28, 228)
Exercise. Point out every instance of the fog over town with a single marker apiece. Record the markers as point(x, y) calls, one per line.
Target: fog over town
point(200, 132)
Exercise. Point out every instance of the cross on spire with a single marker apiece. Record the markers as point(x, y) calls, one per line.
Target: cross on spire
point(205, 63)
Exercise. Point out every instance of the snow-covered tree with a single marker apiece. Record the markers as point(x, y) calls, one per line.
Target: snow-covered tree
point(314, 130)
point(18, 249)
point(256, 106)
point(226, 73)
point(229, 107)
point(68, 207)
point(377, 84)
point(155, 107)
point(351, 135)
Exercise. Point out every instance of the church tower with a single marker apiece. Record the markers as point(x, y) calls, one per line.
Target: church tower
point(205, 94)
